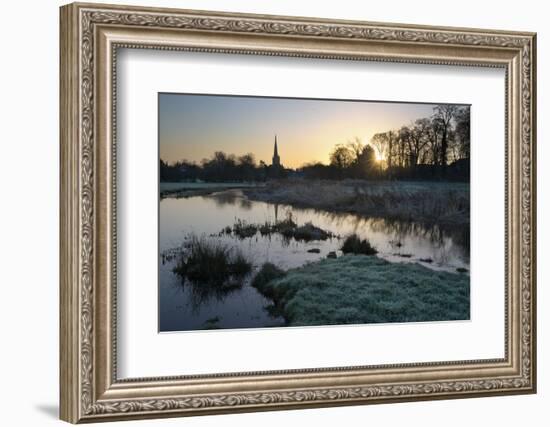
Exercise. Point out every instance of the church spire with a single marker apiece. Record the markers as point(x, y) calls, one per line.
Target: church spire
point(276, 159)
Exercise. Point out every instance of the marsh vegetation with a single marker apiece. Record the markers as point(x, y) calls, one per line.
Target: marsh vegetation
point(212, 263)
point(287, 228)
point(427, 202)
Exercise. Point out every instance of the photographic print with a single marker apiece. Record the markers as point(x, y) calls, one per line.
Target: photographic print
point(282, 212)
point(268, 209)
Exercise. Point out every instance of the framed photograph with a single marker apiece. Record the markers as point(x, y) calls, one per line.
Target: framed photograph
point(266, 212)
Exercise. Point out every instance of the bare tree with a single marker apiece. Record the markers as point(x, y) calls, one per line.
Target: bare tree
point(454, 149)
point(356, 147)
point(247, 166)
point(383, 142)
point(434, 141)
point(418, 139)
point(367, 161)
point(403, 141)
point(341, 157)
point(444, 114)
point(462, 131)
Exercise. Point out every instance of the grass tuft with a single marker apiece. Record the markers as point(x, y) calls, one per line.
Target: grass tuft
point(308, 232)
point(354, 245)
point(211, 263)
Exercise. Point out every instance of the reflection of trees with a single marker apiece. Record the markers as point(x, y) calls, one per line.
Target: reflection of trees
point(461, 238)
point(400, 229)
point(245, 204)
point(436, 234)
point(397, 230)
point(231, 197)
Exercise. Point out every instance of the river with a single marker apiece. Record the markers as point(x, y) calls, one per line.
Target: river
point(184, 306)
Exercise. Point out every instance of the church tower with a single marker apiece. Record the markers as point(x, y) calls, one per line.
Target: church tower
point(276, 162)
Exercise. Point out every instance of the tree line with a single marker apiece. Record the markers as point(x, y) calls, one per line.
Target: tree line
point(430, 148)
point(220, 167)
point(438, 140)
point(436, 147)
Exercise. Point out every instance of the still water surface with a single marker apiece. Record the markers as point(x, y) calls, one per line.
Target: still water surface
point(182, 308)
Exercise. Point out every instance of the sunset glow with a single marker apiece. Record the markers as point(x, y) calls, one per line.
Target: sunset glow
point(193, 127)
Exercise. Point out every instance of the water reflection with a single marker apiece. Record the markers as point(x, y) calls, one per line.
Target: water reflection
point(231, 197)
point(186, 306)
point(199, 295)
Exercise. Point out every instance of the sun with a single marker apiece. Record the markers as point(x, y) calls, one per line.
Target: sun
point(378, 156)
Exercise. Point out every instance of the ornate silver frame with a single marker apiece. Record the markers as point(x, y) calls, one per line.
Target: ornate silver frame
point(90, 36)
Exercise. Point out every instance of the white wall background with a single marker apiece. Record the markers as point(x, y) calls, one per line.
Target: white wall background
point(29, 171)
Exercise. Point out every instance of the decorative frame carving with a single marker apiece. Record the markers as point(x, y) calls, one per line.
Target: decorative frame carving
point(90, 36)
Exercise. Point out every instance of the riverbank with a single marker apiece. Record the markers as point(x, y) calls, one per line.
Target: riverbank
point(359, 289)
point(423, 201)
point(189, 189)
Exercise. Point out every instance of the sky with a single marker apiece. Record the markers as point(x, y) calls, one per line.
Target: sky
point(193, 127)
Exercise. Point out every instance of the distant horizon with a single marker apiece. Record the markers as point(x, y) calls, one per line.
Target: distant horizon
point(194, 126)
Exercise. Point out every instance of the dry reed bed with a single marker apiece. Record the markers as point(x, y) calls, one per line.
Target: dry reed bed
point(432, 202)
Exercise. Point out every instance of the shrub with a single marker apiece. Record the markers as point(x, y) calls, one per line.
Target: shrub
point(354, 245)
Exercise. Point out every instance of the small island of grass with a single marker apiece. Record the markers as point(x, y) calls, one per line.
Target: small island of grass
point(365, 289)
point(288, 228)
